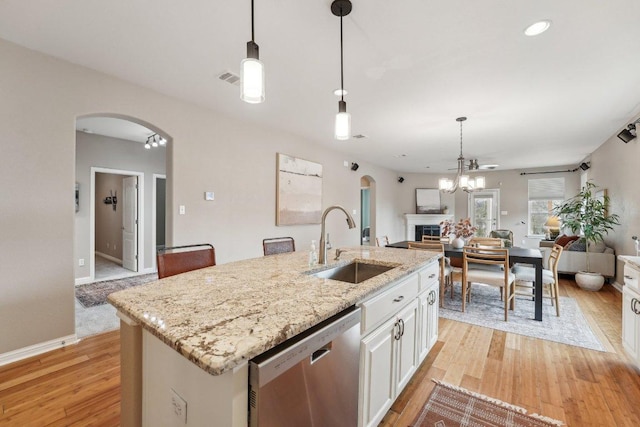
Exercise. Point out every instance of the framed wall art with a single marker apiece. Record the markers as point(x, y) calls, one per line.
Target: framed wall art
point(427, 201)
point(298, 191)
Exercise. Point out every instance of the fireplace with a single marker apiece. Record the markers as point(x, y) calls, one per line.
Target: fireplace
point(413, 221)
point(427, 230)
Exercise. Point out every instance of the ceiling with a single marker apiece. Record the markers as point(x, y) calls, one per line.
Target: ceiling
point(410, 68)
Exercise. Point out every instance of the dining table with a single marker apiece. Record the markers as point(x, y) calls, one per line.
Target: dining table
point(516, 255)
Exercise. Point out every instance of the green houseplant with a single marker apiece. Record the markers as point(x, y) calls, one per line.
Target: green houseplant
point(587, 213)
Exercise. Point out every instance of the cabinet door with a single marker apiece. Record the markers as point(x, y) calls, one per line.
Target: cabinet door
point(377, 375)
point(407, 353)
point(433, 301)
point(630, 322)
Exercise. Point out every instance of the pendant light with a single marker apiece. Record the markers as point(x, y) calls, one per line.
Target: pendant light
point(462, 181)
point(252, 71)
point(343, 119)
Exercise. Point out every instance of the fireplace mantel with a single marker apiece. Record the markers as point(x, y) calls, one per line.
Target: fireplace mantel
point(411, 220)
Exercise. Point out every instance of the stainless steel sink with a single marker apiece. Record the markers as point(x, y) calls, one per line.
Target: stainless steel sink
point(354, 272)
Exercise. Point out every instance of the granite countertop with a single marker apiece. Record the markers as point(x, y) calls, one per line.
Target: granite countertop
point(634, 261)
point(219, 317)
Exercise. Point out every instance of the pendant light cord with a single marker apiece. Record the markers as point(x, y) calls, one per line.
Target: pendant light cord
point(252, 28)
point(460, 138)
point(341, 61)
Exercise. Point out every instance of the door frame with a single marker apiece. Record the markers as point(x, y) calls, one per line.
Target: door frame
point(495, 193)
point(154, 201)
point(92, 217)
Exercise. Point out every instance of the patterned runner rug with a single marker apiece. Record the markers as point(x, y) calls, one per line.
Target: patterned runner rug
point(93, 294)
point(486, 309)
point(450, 405)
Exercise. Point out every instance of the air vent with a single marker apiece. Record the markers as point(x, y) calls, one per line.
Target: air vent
point(229, 77)
point(359, 136)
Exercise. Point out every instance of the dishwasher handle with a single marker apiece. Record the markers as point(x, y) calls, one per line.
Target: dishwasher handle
point(320, 353)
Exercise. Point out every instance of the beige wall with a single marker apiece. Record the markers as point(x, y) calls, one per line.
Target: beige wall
point(513, 195)
point(614, 166)
point(108, 233)
point(41, 98)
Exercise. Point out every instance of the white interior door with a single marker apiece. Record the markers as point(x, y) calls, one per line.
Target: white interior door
point(130, 223)
point(484, 211)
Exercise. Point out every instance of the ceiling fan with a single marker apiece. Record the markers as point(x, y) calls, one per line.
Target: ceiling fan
point(473, 166)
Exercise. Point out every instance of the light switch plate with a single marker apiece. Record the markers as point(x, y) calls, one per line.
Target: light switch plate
point(504, 213)
point(182, 210)
point(209, 195)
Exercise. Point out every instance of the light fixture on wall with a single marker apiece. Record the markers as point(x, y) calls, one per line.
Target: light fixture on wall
point(252, 71)
point(343, 119)
point(629, 133)
point(462, 181)
point(154, 141)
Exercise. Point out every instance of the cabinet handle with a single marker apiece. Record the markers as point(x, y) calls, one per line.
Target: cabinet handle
point(432, 275)
point(432, 298)
point(634, 301)
point(628, 277)
point(401, 326)
point(396, 334)
point(398, 299)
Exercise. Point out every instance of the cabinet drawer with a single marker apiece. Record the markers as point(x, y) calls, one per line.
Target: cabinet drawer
point(429, 275)
point(389, 302)
point(631, 276)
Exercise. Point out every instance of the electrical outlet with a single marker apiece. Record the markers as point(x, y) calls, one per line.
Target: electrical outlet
point(81, 262)
point(179, 406)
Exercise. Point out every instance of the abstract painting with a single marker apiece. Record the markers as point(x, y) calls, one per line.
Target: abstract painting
point(299, 191)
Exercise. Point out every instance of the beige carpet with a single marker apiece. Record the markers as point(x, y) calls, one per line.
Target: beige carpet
point(450, 405)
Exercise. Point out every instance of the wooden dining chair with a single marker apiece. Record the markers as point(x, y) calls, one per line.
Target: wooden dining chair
point(491, 242)
point(382, 241)
point(502, 278)
point(526, 277)
point(446, 271)
point(180, 259)
point(438, 239)
point(278, 245)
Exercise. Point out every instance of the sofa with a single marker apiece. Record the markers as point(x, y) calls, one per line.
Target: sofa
point(602, 259)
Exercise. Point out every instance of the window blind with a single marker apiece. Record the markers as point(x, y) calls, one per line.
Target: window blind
point(546, 189)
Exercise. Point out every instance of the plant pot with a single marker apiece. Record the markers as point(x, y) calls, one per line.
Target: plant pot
point(589, 281)
point(457, 243)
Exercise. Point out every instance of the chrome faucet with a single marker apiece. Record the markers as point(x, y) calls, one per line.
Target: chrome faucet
point(338, 253)
point(322, 258)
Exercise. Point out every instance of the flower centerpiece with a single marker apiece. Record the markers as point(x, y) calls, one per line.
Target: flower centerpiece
point(463, 230)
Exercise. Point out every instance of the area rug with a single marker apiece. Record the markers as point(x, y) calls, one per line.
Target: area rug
point(93, 294)
point(486, 309)
point(450, 405)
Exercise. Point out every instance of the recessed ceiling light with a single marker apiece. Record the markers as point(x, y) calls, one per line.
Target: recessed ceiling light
point(340, 92)
point(399, 155)
point(487, 167)
point(537, 28)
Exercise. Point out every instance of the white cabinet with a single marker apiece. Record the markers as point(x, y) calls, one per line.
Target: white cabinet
point(400, 326)
point(631, 314)
point(428, 313)
point(388, 360)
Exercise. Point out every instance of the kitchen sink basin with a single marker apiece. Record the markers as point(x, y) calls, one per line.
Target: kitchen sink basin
point(354, 272)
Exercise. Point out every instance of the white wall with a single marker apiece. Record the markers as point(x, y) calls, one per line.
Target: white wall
point(41, 99)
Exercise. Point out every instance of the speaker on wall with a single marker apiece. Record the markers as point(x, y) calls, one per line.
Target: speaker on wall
point(626, 135)
point(400, 179)
point(354, 166)
point(584, 166)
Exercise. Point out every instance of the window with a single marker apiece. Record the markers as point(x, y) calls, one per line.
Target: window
point(544, 194)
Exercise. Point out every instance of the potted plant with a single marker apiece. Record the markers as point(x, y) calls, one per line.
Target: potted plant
point(587, 213)
point(462, 230)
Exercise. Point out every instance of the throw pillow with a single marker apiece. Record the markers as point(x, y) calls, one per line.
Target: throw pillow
point(578, 246)
point(597, 247)
point(564, 239)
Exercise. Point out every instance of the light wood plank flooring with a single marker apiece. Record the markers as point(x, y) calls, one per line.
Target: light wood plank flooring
point(79, 385)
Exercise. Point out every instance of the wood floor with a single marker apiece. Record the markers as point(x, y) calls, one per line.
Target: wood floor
point(79, 385)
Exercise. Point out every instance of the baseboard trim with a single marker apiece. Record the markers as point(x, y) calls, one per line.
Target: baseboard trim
point(83, 280)
point(109, 257)
point(36, 349)
point(617, 285)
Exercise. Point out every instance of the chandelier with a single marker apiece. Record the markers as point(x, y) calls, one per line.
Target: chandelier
point(154, 140)
point(462, 181)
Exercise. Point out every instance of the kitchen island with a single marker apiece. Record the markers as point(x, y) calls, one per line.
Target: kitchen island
point(208, 323)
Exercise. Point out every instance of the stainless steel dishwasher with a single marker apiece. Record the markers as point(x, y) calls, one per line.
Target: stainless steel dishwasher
point(310, 379)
